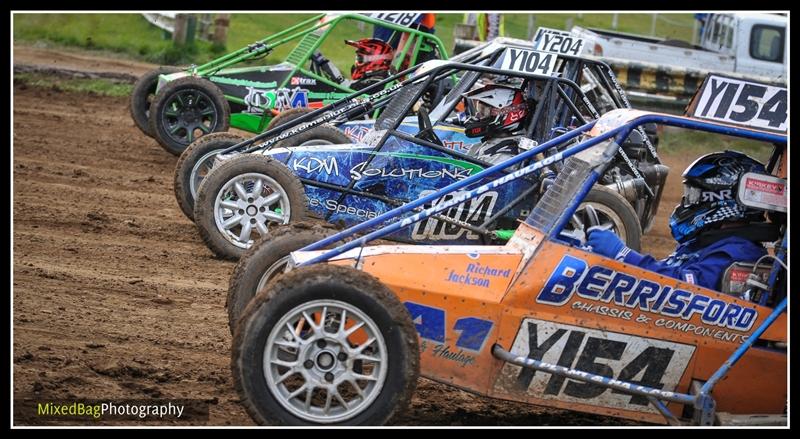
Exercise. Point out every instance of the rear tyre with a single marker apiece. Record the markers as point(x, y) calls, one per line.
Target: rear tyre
point(321, 135)
point(144, 91)
point(195, 163)
point(266, 260)
point(288, 116)
point(185, 110)
point(613, 208)
point(242, 199)
point(294, 363)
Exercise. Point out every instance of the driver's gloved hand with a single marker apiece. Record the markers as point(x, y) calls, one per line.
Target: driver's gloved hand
point(606, 243)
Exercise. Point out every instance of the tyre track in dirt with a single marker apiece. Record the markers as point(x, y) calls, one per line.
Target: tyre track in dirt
point(115, 296)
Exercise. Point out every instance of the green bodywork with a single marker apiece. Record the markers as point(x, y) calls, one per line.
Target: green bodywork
point(309, 36)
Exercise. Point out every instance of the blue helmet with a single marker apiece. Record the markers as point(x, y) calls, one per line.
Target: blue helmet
point(710, 185)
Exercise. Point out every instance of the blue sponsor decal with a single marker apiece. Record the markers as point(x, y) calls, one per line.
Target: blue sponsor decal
point(400, 171)
point(602, 284)
point(431, 322)
point(477, 275)
point(466, 279)
point(473, 332)
point(280, 99)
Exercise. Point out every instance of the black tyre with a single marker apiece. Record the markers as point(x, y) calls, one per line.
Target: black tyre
point(614, 208)
point(288, 116)
point(266, 260)
point(321, 135)
point(249, 193)
point(144, 91)
point(272, 364)
point(195, 163)
point(186, 109)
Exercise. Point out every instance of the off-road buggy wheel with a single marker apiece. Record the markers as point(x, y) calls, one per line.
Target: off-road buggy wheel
point(266, 259)
point(144, 91)
point(288, 116)
point(321, 135)
point(613, 208)
point(242, 198)
point(195, 163)
point(186, 109)
point(320, 337)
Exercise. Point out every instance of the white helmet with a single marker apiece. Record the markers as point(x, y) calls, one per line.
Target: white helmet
point(496, 107)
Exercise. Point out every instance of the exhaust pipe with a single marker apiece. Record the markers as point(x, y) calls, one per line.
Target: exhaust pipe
point(632, 190)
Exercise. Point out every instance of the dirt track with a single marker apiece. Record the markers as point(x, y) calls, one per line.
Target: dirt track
point(70, 59)
point(115, 296)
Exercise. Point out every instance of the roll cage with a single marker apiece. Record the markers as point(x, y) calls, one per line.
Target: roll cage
point(311, 33)
point(400, 104)
point(584, 163)
point(561, 105)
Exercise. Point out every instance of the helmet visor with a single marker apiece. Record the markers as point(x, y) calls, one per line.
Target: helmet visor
point(483, 110)
point(691, 195)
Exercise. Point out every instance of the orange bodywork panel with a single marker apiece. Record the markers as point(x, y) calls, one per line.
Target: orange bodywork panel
point(566, 306)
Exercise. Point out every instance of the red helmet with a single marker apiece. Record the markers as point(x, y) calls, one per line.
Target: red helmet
point(496, 107)
point(372, 56)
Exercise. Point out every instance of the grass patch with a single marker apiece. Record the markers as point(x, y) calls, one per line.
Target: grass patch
point(103, 87)
point(132, 36)
point(679, 141)
point(127, 34)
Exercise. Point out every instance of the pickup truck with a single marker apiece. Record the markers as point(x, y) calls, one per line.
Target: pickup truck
point(751, 44)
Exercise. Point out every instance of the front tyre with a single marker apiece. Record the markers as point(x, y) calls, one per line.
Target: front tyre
point(195, 163)
point(186, 109)
point(144, 91)
point(267, 259)
point(325, 345)
point(242, 199)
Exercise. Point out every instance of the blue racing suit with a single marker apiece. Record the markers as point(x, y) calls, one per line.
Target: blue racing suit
point(690, 262)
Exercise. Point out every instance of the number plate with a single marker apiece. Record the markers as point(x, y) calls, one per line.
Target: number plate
point(645, 361)
point(558, 41)
point(740, 102)
point(398, 18)
point(528, 61)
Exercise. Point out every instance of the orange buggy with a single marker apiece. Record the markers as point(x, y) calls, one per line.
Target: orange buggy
point(342, 337)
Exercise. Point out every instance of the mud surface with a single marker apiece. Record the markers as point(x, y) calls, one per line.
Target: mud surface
point(116, 297)
point(70, 59)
